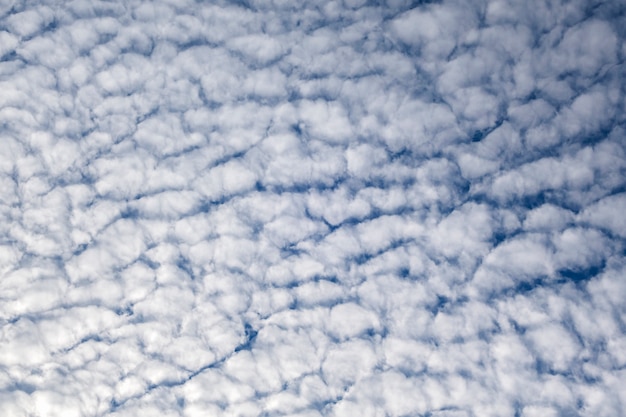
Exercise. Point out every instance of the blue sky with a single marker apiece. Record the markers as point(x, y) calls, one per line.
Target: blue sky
point(323, 208)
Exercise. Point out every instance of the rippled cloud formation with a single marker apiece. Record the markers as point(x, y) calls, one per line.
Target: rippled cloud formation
point(320, 208)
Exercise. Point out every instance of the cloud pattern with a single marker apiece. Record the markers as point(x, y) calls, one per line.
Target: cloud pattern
point(334, 208)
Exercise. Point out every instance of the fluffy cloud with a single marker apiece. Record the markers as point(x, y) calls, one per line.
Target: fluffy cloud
point(266, 208)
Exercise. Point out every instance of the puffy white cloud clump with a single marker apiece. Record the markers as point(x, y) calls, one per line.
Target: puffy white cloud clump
point(321, 208)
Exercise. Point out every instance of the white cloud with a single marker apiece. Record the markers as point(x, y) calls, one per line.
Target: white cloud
point(435, 28)
point(548, 217)
point(312, 209)
point(605, 213)
point(260, 48)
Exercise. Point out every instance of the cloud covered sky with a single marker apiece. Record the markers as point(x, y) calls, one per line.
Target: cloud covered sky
point(321, 208)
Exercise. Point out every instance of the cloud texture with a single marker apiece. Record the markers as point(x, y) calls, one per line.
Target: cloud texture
point(334, 208)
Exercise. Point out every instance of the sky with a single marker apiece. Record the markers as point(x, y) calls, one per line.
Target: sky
point(323, 208)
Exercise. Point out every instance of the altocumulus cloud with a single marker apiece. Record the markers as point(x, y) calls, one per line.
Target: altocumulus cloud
point(322, 208)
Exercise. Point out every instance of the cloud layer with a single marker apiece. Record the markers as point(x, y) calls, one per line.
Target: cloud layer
point(266, 208)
